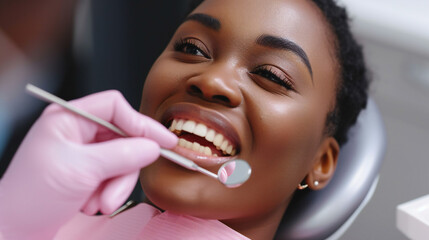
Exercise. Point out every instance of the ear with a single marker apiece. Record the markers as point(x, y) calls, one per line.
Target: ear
point(324, 164)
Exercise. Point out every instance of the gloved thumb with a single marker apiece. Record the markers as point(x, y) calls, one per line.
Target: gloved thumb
point(111, 194)
point(116, 191)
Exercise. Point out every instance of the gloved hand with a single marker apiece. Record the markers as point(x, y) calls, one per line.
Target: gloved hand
point(68, 164)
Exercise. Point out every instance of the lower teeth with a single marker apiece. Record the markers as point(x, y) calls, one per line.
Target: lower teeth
point(203, 149)
point(195, 147)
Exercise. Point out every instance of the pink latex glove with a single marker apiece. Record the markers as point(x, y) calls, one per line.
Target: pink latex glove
point(68, 164)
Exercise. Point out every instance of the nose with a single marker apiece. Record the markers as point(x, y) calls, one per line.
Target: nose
point(217, 83)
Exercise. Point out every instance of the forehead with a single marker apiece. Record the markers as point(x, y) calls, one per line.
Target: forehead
point(296, 19)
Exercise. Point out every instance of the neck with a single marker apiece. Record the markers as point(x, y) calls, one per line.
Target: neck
point(258, 227)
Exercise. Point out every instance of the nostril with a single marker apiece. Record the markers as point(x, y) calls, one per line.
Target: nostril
point(221, 98)
point(196, 90)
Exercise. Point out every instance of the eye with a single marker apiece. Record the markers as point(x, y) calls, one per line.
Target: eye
point(192, 47)
point(274, 75)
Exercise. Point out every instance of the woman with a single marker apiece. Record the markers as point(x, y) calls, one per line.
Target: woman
point(277, 83)
point(266, 78)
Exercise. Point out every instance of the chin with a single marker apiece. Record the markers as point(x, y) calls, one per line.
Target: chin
point(179, 190)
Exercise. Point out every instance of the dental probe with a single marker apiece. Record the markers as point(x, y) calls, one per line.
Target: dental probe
point(176, 158)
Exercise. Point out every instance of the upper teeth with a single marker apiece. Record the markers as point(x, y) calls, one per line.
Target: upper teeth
point(201, 130)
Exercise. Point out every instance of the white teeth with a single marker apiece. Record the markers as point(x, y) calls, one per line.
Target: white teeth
point(196, 146)
point(179, 125)
point(182, 142)
point(201, 150)
point(217, 141)
point(189, 126)
point(201, 130)
point(207, 151)
point(224, 145)
point(173, 125)
point(210, 135)
point(229, 149)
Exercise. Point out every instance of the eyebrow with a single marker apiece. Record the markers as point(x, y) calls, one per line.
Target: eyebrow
point(205, 19)
point(264, 40)
point(285, 44)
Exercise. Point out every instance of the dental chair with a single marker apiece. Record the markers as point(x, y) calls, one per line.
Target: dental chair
point(328, 213)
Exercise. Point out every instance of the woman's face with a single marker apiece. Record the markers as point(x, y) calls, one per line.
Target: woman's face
point(260, 74)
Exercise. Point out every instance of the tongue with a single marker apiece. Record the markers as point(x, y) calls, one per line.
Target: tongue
point(202, 141)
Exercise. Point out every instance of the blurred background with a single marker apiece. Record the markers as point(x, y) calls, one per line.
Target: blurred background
point(74, 48)
point(395, 36)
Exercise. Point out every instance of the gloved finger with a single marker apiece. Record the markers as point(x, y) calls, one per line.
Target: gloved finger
point(116, 192)
point(119, 157)
point(112, 107)
point(92, 205)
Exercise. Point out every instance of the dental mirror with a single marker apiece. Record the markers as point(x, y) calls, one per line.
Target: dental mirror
point(232, 173)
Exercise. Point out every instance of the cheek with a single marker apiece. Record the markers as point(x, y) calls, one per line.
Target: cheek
point(286, 125)
point(159, 84)
point(287, 134)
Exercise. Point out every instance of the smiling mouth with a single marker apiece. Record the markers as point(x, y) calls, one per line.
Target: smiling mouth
point(202, 139)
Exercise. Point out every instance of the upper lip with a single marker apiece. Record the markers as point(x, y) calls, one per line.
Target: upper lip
point(211, 118)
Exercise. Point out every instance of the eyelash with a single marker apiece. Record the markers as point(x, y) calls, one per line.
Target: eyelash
point(268, 73)
point(182, 44)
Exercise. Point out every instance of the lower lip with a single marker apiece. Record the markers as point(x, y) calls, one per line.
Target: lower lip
point(199, 158)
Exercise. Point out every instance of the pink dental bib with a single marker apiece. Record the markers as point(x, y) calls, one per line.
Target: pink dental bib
point(145, 222)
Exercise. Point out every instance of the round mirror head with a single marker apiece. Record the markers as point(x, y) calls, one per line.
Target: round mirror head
point(234, 173)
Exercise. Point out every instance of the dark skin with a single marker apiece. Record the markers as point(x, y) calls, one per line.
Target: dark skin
point(266, 69)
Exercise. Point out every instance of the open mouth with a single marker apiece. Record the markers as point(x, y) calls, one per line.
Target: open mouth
point(198, 137)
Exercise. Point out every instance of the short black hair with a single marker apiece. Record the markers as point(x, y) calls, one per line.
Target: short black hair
point(353, 82)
